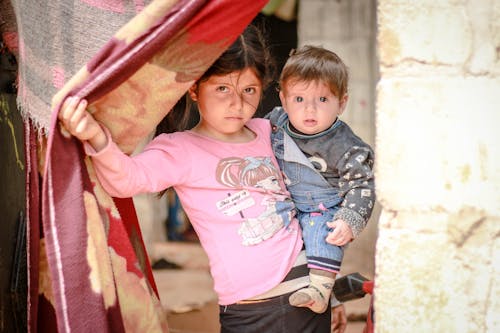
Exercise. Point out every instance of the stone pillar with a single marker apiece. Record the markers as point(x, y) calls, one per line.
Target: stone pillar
point(438, 166)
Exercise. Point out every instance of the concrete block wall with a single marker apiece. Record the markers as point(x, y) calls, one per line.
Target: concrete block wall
point(438, 166)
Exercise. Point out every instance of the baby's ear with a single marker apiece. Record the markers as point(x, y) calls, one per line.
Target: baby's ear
point(282, 98)
point(343, 103)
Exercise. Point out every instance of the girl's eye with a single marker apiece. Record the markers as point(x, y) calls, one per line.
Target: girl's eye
point(299, 99)
point(222, 88)
point(323, 99)
point(250, 90)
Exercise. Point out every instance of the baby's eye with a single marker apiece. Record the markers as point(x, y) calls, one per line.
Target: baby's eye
point(323, 99)
point(299, 99)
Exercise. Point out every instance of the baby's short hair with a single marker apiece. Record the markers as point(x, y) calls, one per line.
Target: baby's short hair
point(312, 63)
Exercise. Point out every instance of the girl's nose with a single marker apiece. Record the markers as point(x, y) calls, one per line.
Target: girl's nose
point(237, 101)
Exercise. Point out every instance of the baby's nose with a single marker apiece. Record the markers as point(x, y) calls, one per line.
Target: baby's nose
point(311, 107)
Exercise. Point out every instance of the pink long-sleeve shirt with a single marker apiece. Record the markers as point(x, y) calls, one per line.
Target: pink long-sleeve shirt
point(233, 194)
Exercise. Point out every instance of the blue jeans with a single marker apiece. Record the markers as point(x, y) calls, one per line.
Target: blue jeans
point(320, 254)
point(275, 315)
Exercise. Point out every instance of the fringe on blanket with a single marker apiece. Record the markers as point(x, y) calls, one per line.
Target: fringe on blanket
point(57, 38)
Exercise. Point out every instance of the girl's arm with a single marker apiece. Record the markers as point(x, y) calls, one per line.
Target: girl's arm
point(81, 124)
point(119, 174)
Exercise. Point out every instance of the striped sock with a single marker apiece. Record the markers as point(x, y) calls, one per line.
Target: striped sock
point(317, 295)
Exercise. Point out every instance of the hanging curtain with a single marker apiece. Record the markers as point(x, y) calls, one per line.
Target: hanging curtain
point(88, 268)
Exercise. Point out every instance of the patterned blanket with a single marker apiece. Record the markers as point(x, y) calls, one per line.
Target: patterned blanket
point(87, 263)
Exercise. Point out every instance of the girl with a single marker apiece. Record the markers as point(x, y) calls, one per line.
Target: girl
point(230, 186)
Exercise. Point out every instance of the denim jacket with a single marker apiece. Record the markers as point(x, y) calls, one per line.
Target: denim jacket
point(336, 153)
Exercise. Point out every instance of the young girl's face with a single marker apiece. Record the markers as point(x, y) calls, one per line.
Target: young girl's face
point(226, 103)
point(311, 106)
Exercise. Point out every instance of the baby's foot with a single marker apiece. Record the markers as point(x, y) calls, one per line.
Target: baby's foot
point(310, 298)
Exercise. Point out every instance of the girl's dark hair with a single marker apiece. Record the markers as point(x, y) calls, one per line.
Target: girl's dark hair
point(248, 51)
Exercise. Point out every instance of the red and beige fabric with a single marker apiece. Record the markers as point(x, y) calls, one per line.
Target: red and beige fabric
point(87, 263)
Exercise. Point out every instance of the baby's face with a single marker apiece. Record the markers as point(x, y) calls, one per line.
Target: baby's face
point(311, 106)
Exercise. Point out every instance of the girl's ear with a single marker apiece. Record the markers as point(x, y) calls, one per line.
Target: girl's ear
point(192, 92)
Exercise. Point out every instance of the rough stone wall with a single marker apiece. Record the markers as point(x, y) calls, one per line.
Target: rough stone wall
point(438, 166)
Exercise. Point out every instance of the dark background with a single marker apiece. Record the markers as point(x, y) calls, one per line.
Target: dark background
point(13, 282)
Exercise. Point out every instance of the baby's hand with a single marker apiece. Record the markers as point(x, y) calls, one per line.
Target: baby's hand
point(341, 234)
point(81, 124)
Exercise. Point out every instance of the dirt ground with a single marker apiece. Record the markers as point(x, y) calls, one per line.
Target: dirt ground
point(191, 304)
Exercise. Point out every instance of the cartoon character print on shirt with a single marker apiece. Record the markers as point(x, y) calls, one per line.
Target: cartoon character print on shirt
point(258, 173)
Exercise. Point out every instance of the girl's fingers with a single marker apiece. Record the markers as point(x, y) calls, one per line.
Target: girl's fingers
point(64, 107)
point(79, 114)
point(68, 108)
point(81, 126)
point(73, 114)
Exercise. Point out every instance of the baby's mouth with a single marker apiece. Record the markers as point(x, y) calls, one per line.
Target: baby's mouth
point(310, 122)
